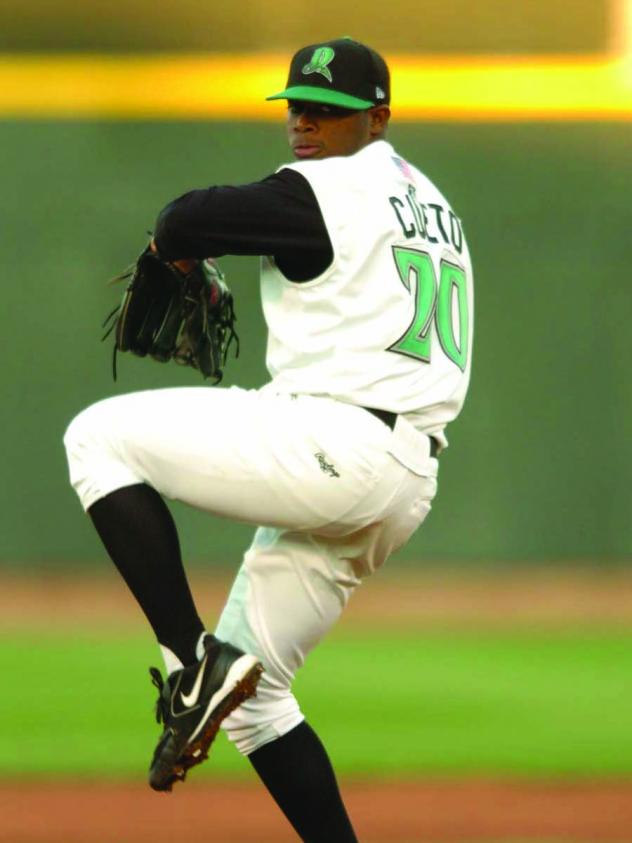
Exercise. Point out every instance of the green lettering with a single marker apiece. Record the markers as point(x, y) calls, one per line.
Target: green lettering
point(456, 234)
point(417, 274)
point(438, 212)
point(411, 198)
point(397, 204)
point(451, 281)
point(425, 218)
point(416, 340)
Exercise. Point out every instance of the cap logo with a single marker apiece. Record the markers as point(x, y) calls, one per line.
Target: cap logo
point(379, 93)
point(319, 61)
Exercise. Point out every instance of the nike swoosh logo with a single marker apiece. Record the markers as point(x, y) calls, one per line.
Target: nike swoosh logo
point(190, 699)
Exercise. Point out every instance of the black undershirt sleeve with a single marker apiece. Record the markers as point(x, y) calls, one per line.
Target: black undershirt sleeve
point(278, 216)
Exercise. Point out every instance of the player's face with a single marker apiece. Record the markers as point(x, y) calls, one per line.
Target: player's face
point(316, 130)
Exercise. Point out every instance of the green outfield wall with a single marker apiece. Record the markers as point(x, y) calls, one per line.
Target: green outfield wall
point(541, 459)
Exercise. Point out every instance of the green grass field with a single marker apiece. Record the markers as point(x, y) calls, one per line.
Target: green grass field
point(508, 703)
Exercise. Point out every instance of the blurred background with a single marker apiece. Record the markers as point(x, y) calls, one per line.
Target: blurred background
point(493, 27)
point(519, 111)
point(513, 602)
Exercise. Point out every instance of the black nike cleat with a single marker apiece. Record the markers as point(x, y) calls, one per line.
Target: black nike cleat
point(192, 704)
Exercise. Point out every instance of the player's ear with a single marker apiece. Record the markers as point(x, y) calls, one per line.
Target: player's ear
point(378, 119)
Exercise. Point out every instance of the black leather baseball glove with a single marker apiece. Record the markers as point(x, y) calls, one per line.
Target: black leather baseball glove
point(170, 314)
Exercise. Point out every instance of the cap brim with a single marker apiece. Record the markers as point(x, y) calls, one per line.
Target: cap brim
point(314, 94)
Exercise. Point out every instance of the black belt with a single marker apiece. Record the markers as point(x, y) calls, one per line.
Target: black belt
point(389, 420)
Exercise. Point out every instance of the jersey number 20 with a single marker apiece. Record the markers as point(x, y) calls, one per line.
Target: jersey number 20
point(433, 304)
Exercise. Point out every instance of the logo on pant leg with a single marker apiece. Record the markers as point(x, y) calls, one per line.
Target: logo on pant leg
point(326, 467)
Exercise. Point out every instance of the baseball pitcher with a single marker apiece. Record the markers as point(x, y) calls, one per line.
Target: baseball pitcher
point(366, 288)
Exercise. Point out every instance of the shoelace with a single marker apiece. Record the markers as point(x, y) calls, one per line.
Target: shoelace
point(161, 705)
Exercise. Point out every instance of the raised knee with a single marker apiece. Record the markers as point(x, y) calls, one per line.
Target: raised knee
point(96, 465)
point(77, 433)
point(90, 429)
point(84, 439)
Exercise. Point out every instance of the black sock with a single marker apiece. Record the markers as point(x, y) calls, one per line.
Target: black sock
point(138, 532)
point(298, 773)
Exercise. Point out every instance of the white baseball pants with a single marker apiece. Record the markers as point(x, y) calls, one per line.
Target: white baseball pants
point(336, 490)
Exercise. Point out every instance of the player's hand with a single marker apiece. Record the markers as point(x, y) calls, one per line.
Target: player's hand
point(185, 265)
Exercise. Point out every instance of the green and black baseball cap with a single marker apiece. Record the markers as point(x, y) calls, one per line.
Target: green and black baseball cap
point(341, 72)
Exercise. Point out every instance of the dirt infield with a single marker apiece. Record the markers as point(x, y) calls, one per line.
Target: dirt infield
point(391, 599)
point(433, 812)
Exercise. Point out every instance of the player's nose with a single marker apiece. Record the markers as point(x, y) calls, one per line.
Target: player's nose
point(304, 121)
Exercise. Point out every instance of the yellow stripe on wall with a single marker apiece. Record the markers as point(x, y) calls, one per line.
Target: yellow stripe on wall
point(234, 87)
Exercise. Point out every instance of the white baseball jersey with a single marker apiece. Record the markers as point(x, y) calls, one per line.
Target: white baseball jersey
point(335, 491)
point(389, 323)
